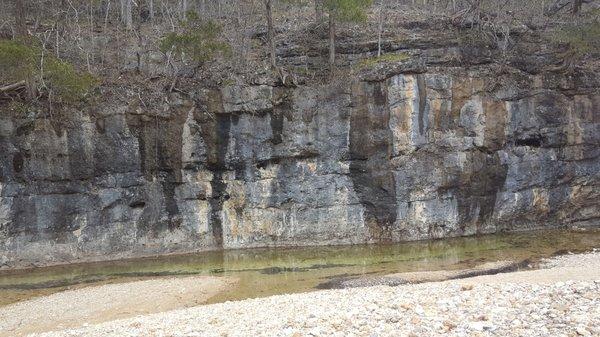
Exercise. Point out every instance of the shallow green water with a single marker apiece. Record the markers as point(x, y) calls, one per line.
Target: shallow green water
point(263, 272)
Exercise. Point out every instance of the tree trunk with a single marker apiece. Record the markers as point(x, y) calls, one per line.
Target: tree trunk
point(122, 10)
point(332, 43)
point(129, 14)
point(21, 33)
point(271, 34)
point(126, 13)
point(318, 11)
point(184, 9)
point(106, 15)
point(20, 23)
point(151, 9)
point(577, 6)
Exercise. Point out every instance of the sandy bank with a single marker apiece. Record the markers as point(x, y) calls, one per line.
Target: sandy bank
point(97, 304)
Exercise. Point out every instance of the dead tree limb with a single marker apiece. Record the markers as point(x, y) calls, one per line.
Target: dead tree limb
point(13, 86)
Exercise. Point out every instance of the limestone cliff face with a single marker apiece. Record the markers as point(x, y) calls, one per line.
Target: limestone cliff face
point(411, 155)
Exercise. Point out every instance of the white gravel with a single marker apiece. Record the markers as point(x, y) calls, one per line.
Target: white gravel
point(566, 308)
point(572, 260)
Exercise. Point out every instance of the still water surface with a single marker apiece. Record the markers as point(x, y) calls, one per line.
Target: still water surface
point(264, 272)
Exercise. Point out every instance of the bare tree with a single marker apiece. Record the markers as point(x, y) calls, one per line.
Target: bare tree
point(343, 11)
point(20, 21)
point(379, 28)
point(127, 13)
point(183, 8)
point(151, 10)
point(318, 11)
point(577, 6)
point(21, 32)
point(332, 43)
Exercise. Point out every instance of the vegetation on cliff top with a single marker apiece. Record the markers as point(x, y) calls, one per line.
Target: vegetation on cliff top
point(198, 41)
point(46, 45)
point(27, 64)
point(581, 35)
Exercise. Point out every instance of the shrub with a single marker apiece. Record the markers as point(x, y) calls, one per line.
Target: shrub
point(65, 82)
point(199, 40)
point(583, 37)
point(348, 10)
point(22, 60)
point(18, 61)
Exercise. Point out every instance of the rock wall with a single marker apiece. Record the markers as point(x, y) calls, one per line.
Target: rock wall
point(409, 156)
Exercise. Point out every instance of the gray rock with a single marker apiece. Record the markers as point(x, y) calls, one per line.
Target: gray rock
point(403, 156)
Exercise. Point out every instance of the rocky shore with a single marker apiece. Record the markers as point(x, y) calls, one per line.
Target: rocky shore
point(561, 300)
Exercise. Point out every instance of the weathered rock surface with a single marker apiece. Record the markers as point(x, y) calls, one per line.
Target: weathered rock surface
point(443, 152)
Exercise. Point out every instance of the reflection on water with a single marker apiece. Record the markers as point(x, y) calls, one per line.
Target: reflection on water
point(263, 272)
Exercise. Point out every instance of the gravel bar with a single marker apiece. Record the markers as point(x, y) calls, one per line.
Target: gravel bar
point(469, 307)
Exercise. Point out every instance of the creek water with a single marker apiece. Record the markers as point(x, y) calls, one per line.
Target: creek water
point(264, 272)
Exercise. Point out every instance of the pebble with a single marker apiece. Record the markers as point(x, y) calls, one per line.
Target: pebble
point(353, 312)
point(571, 260)
point(582, 331)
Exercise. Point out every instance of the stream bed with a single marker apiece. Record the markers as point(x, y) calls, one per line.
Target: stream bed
point(272, 271)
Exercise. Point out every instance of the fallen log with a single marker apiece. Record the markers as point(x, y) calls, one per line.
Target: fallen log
point(12, 86)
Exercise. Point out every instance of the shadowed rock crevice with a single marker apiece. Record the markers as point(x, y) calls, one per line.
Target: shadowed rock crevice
point(277, 126)
point(370, 168)
point(159, 141)
point(535, 140)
